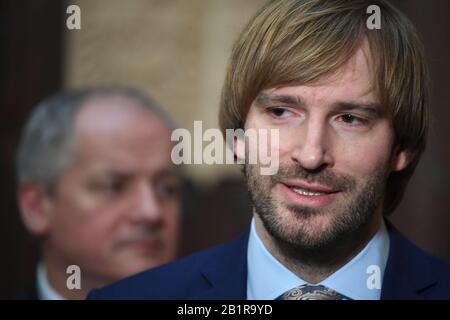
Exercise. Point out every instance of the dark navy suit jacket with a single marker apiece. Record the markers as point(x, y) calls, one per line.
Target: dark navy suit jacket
point(221, 273)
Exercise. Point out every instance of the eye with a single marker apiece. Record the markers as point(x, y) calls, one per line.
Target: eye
point(113, 187)
point(168, 190)
point(279, 112)
point(353, 120)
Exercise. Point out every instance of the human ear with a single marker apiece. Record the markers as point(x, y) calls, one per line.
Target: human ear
point(401, 159)
point(35, 208)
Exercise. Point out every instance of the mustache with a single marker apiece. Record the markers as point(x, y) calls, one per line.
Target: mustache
point(320, 176)
point(148, 232)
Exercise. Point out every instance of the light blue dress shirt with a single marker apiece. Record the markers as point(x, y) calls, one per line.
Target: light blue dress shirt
point(268, 278)
point(44, 289)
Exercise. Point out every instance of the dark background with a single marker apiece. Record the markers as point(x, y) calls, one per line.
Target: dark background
point(31, 64)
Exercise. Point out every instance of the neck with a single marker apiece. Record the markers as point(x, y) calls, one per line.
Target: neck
point(57, 276)
point(316, 265)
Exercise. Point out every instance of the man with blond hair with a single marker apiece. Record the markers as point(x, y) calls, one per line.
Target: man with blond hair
point(351, 108)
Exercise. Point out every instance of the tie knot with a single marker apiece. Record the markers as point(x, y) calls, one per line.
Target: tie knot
point(312, 292)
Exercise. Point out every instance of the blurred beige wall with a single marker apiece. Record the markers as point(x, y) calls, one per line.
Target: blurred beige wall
point(175, 50)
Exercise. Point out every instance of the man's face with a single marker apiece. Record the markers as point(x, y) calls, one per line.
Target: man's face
point(335, 152)
point(115, 209)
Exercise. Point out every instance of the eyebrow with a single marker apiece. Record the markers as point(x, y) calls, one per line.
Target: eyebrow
point(126, 174)
point(168, 173)
point(114, 174)
point(265, 99)
point(370, 107)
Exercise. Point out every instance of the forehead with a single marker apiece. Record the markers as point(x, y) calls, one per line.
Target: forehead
point(355, 79)
point(117, 131)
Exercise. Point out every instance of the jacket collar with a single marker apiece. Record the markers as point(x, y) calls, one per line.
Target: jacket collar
point(409, 272)
point(408, 275)
point(226, 271)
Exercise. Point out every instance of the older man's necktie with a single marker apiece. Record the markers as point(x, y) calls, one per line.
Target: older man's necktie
point(312, 292)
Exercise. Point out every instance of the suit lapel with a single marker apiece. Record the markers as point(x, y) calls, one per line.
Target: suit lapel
point(226, 271)
point(408, 275)
point(409, 272)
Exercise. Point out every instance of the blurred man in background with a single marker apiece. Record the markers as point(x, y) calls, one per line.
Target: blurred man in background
point(98, 189)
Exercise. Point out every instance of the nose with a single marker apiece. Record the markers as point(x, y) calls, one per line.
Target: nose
point(312, 149)
point(146, 207)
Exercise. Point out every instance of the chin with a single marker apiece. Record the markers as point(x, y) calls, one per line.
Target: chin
point(133, 264)
point(305, 230)
point(306, 219)
point(145, 263)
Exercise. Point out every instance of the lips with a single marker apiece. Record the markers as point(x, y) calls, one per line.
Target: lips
point(311, 188)
point(308, 195)
point(143, 241)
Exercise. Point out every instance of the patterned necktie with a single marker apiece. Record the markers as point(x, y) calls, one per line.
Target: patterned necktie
point(312, 292)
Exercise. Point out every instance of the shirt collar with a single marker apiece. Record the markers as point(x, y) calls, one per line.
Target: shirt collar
point(268, 279)
point(44, 289)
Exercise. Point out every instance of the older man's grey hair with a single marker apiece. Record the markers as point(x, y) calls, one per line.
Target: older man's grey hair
point(47, 145)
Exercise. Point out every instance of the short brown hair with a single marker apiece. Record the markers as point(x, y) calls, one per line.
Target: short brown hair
point(297, 42)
